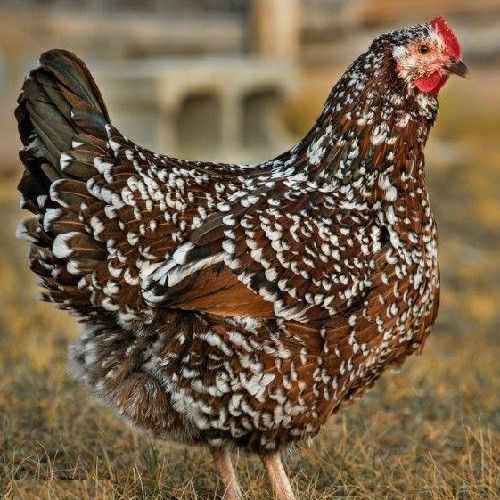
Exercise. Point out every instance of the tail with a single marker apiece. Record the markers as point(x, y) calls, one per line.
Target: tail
point(64, 125)
point(59, 102)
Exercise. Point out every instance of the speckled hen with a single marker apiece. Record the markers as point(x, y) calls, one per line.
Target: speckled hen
point(240, 306)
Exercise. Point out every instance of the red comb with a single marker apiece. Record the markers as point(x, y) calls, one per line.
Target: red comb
point(450, 39)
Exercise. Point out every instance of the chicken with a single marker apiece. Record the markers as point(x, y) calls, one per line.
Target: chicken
point(240, 306)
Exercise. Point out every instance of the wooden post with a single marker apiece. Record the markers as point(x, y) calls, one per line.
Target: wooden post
point(275, 28)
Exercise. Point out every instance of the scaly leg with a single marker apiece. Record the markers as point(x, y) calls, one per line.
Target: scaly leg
point(226, 471)
point(277, 476)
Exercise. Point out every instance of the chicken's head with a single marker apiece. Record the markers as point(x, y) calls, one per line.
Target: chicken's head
point(426, 59)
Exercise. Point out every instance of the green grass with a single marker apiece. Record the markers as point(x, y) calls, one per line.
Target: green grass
point(430, 431)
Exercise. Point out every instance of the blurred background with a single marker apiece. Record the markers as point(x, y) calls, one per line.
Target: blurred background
point(240, 81)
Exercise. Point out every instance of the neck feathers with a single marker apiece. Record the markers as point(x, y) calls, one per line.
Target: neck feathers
point(372, 124)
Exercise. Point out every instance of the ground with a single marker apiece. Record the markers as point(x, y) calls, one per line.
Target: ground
point(431, 431)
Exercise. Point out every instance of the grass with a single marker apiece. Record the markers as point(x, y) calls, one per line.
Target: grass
point(429, 432)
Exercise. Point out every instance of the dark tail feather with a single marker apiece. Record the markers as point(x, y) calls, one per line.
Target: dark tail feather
point(59, 103)
point(63, 125)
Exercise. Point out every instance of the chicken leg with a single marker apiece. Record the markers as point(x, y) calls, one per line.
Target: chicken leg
point(277, 477)
point(225, 468)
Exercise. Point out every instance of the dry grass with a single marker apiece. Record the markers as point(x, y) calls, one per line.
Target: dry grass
point(429, 432)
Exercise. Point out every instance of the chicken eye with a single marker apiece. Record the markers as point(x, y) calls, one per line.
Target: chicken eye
point(423, 49)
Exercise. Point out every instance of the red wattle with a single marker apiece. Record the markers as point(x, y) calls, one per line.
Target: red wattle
point(431, 84)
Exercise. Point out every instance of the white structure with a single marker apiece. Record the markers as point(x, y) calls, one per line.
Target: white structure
point(217, 108)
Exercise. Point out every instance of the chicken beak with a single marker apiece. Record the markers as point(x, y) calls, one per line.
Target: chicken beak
point(457, 67)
